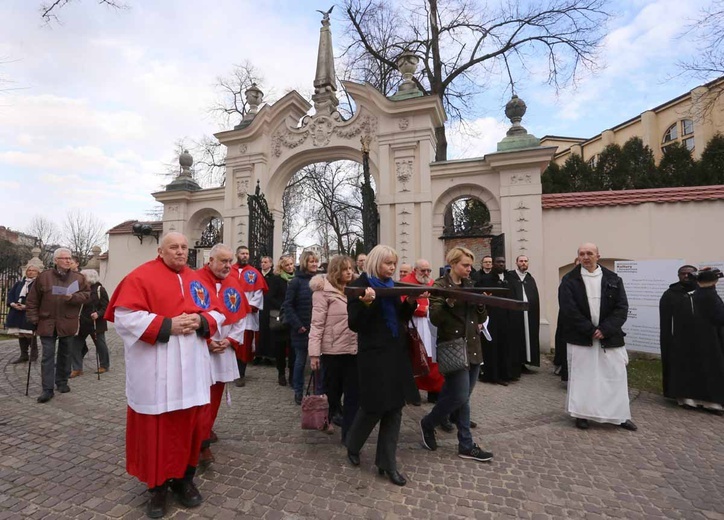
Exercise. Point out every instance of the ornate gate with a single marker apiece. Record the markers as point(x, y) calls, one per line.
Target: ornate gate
point(211, 235)
point(261, 228)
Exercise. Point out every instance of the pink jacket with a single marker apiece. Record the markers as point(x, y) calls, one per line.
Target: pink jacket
point(329, 332)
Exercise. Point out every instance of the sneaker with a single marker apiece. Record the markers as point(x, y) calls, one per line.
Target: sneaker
point(475, 453)
point(428, 437)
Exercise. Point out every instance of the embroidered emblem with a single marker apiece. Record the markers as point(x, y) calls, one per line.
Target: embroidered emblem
point(250, 277)
point(232, 299)
point(200, 295)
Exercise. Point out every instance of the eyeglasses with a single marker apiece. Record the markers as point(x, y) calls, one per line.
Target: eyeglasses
point(64, 258)
point(425, 270)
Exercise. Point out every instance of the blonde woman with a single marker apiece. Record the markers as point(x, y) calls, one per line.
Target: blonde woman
point(386, 382)
point(331, 342)
point(16, 322)
point(298, 314)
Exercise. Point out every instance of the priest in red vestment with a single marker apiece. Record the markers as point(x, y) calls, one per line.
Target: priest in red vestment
point(163, 313)
point(431, 383)
point(229, 336)
point(254, 285)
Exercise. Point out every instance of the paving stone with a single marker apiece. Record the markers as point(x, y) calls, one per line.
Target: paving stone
point(66, 459)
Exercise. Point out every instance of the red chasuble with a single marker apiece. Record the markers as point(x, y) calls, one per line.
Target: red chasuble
point(434, 380)
point(165, 417)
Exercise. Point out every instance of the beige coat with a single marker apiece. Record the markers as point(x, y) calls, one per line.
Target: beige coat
point(329, 333)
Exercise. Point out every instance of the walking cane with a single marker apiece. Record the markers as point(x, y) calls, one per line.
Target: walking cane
point(27, 382)
point(94, 337)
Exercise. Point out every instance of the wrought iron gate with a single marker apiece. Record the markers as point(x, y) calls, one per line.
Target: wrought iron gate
point(261, 228)
point(10, 273)
point(497, 245)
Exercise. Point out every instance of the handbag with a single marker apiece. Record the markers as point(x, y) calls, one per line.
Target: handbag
point(276, 320)
point(315, 409)
point(452, 355)
point(418, 354)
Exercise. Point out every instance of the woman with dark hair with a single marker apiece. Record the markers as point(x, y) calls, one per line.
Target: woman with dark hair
point(298, 314)
point(331, 339)
point(16, 322)
point(385, 375)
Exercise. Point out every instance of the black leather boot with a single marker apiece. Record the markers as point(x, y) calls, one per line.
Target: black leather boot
point(156, 505)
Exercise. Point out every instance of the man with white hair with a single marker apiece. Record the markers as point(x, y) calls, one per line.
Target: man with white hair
point(404, 270)
point(164, 314)
point(53, 306)
point(222, 345)
point(593, 309)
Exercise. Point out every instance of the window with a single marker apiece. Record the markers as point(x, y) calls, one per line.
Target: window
point(593, 161)
point(680, 132)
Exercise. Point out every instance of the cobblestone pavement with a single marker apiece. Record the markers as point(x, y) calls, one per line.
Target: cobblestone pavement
point(65, 459)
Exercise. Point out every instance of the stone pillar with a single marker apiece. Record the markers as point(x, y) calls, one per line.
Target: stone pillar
point(94, 262)
point(35, 261)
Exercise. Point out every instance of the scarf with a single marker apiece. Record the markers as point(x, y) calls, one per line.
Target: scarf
point(26, 287)
point(286, 276)
point(388, 304)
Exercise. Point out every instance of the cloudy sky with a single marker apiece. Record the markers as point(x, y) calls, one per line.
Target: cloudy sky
point(91, 105)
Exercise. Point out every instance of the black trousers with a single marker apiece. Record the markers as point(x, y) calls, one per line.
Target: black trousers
point(364, 423)
point(283, 349)
point(340, 379)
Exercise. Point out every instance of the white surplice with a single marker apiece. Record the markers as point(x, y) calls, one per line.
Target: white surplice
point(526, 325)
point(163, 377)
point(256, 299)
point(428, 334)
point(224, 368)
point(597, 379)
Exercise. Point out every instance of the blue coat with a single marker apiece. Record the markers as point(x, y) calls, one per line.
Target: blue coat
point(16, 318)
point(298, 305)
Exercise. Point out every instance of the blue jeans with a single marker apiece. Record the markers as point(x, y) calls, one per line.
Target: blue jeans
point(454, 402)
point(300, 344)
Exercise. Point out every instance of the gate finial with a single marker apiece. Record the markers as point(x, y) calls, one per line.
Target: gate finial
point(325, 80)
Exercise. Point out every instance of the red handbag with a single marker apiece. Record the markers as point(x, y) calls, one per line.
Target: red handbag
point(418, 354)
point(315, 409)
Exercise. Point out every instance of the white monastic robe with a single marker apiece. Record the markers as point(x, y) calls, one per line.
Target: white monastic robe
point(597, 379)
point(526, 325)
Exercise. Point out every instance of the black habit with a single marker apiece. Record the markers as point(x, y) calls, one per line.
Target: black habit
point(676, 322)
point(517, 340)
point(273, 300)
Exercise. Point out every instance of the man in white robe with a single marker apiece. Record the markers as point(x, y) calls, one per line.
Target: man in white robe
point(594, 307)
point(164, 313)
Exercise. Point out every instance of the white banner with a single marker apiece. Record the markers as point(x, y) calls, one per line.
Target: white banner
point(645, 282)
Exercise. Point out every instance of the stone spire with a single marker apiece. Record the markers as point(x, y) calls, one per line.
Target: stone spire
point(185, 180)
point(325, 80)
point(517, 136)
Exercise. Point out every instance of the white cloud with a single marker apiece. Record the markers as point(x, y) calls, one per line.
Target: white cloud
point(475, 138)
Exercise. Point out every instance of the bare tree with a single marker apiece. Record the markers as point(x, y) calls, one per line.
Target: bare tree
point(463, 43)
point(708, 63)
point(47, 234)
point(230, 106)
point(293, 210)
point(83, 230)
point(48, 10)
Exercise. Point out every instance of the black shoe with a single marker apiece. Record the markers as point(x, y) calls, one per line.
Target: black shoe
point(282, 380)
point(416, 402)
point(447, 426)
point(582, 424)
point(475, 453)
point(21, 359)
point(432, 397)
point(240, 382)
point(257, 361)
point(502, 383)
point(473, 424)
point(395, 477)
point(64, 389)
point(525, 370)
point(186, 492)
point(629, 425)
point(298, 398)
point(428, 438)
point(46, 396)
point(353, 458)
point(337, 419)
point(156, 505)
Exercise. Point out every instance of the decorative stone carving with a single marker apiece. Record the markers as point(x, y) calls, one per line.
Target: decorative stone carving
point(521, 179)
point(403, 169)
point(322, 128)
point(242, 187)
point(403, 123)
point(172, 208)
point(243, 148)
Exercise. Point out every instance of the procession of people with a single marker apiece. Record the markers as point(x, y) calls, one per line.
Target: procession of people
point(188, 334)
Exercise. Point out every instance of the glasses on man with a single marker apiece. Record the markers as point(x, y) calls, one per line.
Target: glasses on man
point(425, 270)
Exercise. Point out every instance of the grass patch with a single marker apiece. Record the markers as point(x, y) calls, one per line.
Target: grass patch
point(645, 374)
point(3, 337)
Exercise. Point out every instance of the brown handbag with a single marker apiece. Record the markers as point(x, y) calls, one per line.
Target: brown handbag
point(418, 354)
point(315, 408)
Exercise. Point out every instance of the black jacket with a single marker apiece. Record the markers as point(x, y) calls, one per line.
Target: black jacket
point(298, 303)
point(383, 363)
point(576, 314)
point(16, 318)
point(97, 303)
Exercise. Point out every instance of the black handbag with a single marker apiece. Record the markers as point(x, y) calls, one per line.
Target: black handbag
point(452, 355)
point(276, 320)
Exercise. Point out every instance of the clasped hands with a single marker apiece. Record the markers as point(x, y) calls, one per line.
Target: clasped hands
point(216, 347)
point(185, 324)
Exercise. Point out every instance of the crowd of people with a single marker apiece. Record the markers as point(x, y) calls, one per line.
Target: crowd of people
point(189, 334)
